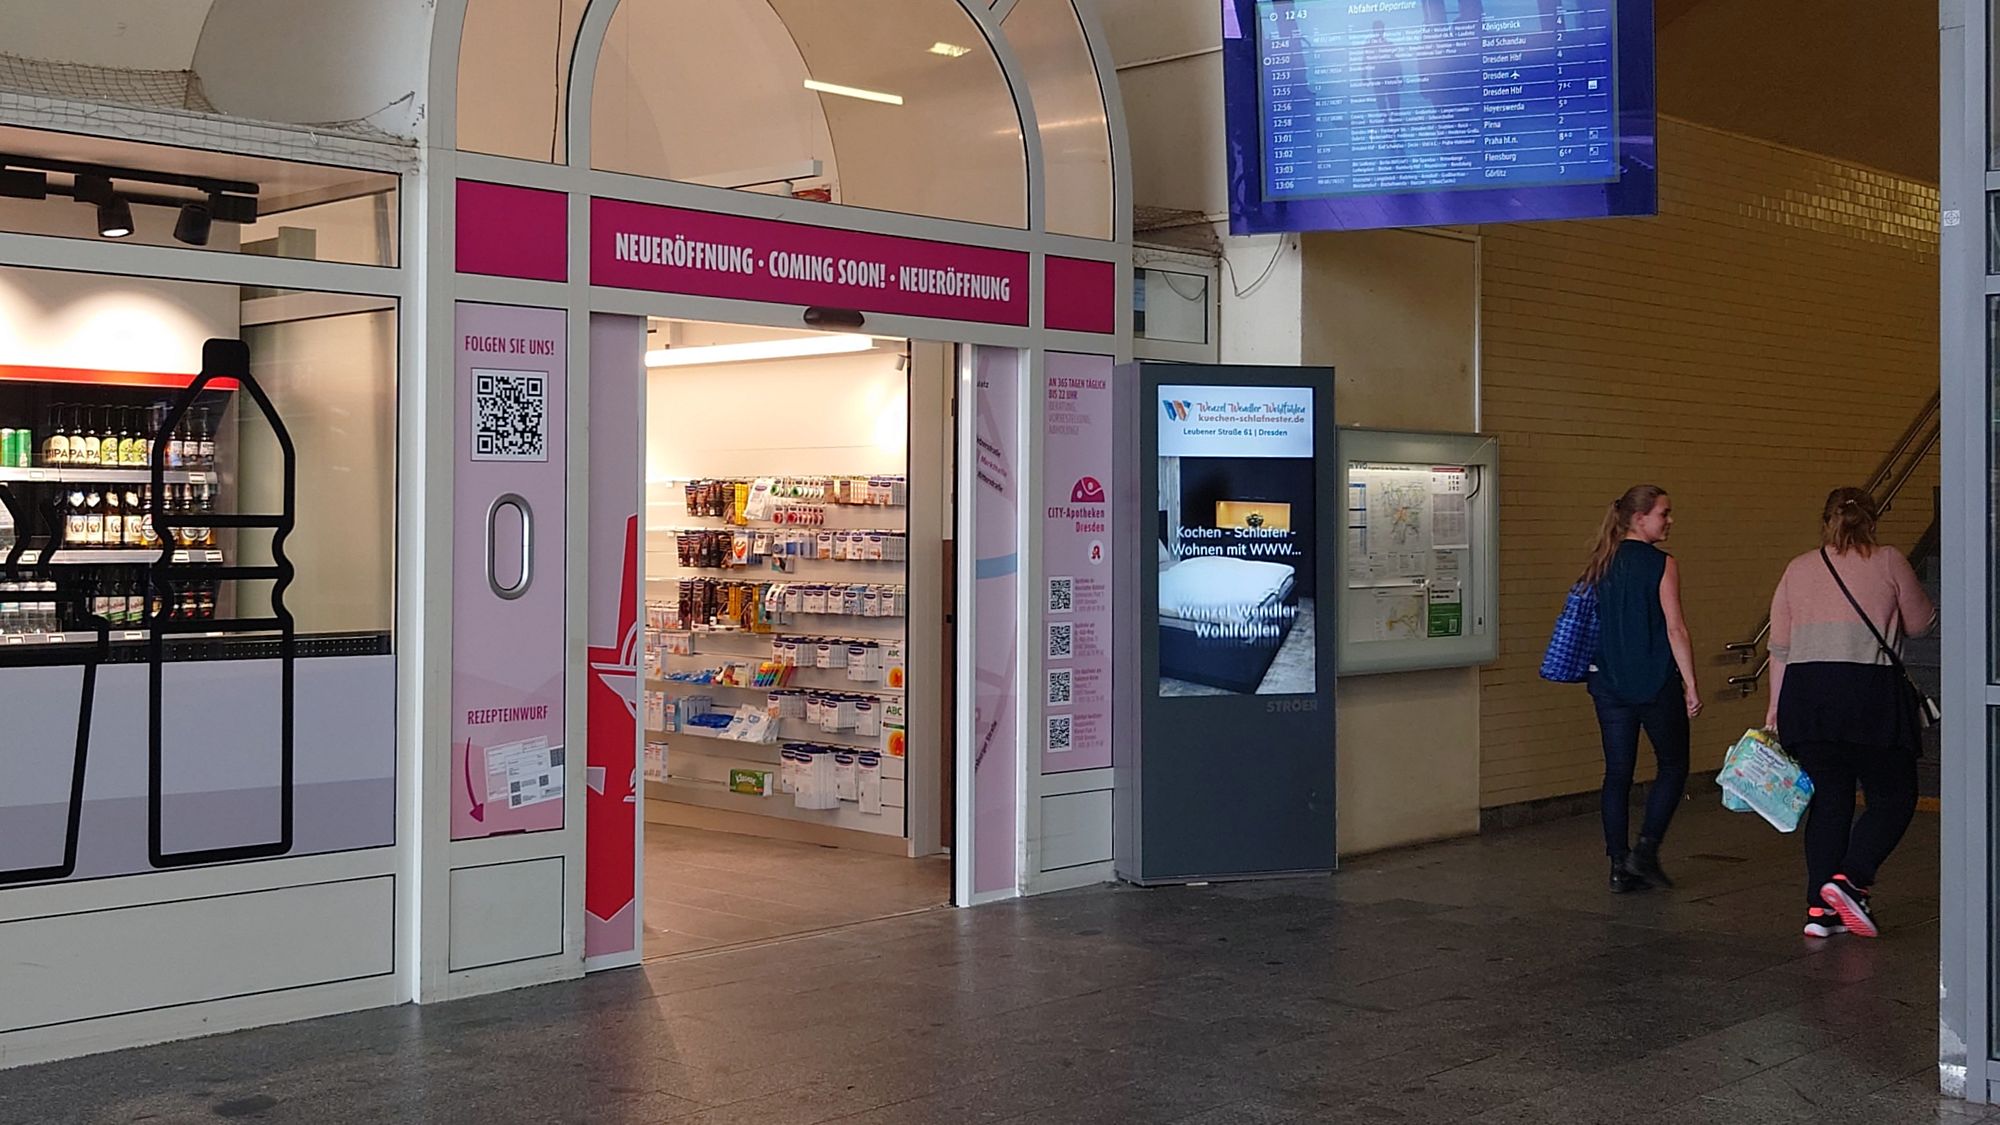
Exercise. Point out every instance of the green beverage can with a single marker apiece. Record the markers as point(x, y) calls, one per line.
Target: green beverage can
point(24, 452)
point(9, 445)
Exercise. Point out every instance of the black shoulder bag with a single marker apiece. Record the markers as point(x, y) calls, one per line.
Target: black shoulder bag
point(1928, 711)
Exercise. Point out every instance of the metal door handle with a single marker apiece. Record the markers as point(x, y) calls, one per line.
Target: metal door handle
point(520, 504)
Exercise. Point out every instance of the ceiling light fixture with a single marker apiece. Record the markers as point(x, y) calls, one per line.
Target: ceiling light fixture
point(114, 191)
point(949, 50)
point(795, 348)
point(854, 92)
point(18, 184)
point(193, 225)
point(114, 218)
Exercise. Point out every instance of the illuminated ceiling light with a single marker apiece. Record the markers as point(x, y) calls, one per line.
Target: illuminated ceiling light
point(796, 348)
point(114, 218)
point(854, 92)
point(949, 50)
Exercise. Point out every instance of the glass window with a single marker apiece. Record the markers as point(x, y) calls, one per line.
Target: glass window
point(1992, 84)
point(1993, 232)
point(513, 77)
point(144, 514)
point(896, 105)
point(1069, 114)
point(152, 195)
point(1993, 484)
point(1170, 306)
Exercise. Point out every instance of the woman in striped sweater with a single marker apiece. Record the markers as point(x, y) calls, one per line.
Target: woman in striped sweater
point(1842, 706)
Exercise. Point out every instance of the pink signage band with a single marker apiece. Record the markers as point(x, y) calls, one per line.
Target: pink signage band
point(507, 231)
point(671, 250)
point(1082, 295)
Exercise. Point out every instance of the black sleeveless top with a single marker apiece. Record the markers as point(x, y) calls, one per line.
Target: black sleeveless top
point(1634, 660)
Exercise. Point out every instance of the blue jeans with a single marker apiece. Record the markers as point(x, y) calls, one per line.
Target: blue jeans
point(1665, 721)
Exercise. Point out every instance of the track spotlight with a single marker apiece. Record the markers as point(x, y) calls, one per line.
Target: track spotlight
point(193, 225)
point(18, 184)
point(114, 218)
point(240, 209)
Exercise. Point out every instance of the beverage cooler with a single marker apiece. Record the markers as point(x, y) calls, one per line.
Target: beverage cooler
point(77, 527)
point(155, 677)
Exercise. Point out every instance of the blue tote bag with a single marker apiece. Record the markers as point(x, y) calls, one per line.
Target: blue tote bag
point(1574, 641)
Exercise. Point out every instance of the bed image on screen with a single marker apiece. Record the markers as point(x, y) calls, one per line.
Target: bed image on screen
point(1223, 624)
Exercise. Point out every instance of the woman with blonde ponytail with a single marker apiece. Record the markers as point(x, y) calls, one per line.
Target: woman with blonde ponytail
point(1641, 678)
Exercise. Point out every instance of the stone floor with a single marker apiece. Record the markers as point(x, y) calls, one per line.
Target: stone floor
point(1484, 981)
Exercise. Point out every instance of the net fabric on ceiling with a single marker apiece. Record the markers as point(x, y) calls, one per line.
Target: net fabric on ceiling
point(1175, 228)
point(148, 89)
point(176, 91)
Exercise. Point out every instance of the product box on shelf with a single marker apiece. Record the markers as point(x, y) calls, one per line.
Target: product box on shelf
point(754, 783)
point(895, 726)
point(893, 674)
point(868, 782)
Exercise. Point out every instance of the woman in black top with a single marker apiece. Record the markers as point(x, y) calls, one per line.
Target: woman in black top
point(1642, 677)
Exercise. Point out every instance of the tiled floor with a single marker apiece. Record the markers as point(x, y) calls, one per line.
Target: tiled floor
point(710, 889)
point(1486, 981)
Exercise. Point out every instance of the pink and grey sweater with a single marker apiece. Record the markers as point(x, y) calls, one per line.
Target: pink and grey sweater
point(1811, 621)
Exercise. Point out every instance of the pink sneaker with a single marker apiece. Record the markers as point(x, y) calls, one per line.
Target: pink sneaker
point(1851, 903)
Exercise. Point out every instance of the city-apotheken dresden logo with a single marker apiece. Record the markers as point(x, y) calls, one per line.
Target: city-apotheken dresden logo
point(1087, 491)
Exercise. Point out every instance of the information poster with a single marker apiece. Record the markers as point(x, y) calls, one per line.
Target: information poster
point(507, 652)
point(1076, 560)
point(1237, 528)
point(1408, 536)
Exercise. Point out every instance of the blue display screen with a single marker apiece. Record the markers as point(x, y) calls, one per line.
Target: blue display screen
point(1346, 114)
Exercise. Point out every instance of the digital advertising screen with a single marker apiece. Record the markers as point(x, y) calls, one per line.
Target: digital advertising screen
point(1355, 114)
point(1237, 541)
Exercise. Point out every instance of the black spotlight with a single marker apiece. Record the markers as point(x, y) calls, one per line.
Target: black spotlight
point(193, 225)
point(114, 218)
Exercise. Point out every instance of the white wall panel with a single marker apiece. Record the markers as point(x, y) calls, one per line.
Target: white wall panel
point(65, 968)
point(1076, 829)
point(506, 912)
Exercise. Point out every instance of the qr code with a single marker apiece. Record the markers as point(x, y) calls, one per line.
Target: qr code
point(1059, 732)
point(1061, 592)
point(510, 417)
point(1059, 686)
point(1062, 641)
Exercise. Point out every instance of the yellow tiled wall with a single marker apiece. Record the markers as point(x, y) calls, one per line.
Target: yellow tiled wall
point(1765, 338)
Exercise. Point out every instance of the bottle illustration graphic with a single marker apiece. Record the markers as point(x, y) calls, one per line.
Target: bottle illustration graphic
point(183, 579)
point(37, 603)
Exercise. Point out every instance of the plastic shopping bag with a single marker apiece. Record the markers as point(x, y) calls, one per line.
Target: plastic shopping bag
point(1762, 778)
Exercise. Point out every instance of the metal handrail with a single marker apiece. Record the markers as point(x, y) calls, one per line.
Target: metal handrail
point(1923, 434)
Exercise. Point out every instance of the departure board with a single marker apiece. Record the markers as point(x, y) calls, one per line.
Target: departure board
point(1366, 97)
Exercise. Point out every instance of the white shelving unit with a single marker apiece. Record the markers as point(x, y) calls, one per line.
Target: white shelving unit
point(699, 763)
point(123, 474)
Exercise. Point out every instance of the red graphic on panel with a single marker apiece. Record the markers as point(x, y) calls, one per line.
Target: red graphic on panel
point(1087, 491)
point(610, 821)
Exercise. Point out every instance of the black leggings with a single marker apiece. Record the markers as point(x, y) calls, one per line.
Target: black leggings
point(1665, 721)
point(1837, 843)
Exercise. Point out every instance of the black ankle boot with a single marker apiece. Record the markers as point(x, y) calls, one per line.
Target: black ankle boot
point(1643, 863)
point(1623, 880)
